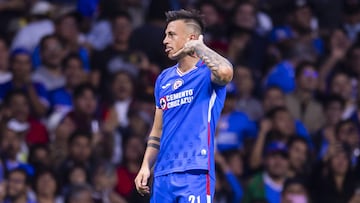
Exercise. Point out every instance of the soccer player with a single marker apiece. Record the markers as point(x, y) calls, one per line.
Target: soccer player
point(189, 98)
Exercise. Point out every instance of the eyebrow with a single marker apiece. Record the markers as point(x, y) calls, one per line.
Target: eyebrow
point(170, 32)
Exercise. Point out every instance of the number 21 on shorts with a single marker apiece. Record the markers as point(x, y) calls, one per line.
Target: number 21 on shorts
point(192, 199)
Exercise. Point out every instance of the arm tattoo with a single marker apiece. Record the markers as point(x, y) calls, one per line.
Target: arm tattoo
point(153, 138)
point(214, 61)
point(153, 145)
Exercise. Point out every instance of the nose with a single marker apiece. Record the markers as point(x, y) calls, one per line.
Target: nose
point(165, 41)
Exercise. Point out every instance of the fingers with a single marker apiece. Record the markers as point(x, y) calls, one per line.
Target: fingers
point(189, 47)
point(178, 52)
point(201, 38)
point(141, 184)
point(144, 181)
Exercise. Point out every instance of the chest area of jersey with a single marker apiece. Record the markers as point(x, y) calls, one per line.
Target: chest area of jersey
point(178, 92)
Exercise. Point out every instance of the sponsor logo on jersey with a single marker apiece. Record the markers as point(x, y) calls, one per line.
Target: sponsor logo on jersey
point(176, 99)
point(166, 86)
point(178, 83)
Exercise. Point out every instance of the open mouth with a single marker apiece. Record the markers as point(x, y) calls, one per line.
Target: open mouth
point(168, 49)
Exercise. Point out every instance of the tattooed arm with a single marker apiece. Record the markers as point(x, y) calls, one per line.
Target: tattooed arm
point(221, 68)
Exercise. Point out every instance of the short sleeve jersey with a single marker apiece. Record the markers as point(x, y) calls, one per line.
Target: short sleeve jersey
point(191, 105)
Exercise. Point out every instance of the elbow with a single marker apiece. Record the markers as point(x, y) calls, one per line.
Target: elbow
point(228, 73)
point(225, 75)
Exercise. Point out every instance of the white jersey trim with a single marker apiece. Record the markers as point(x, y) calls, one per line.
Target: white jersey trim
point(208, 199)
point(186, 72)
point(211, 104)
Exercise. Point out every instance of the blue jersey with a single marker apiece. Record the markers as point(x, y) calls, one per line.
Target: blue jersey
point(191, 105)
point(61, 98)
point(232, 129)
point(282, 76)
point(41, 92)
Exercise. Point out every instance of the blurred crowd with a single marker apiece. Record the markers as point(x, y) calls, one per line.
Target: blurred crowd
point(76, 98)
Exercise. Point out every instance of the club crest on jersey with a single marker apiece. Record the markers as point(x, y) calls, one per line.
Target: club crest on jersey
point(178, 83)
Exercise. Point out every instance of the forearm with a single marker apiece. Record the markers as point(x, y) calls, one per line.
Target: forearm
point(40, 108)
point(256, 155)
point(221, 68)
point(238, 192)
point(150, 157)
point(153, 143)
point(325, 69)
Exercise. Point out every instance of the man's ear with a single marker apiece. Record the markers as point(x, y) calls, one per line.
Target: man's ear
point(193, 36)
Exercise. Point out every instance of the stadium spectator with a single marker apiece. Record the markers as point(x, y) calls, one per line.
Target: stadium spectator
point(234, 127)
point(79, 155)
point(333, 179)
point(244, 83)
point(119, 55)
point(341, 84)
point(245, 44)
point(299, 157)
point(40, 25)
point(337, 48)
point(333, 110)
point(215, 34)
point(18, 106)
point(79, 194)
point(83, 115)
point(228, 187)
point(272, 97)
point(122, 93)
point(46, 187)
point(269, 183)
point(347, 132)
point(282, 74)
point(10, 11)
point(302, 103)
point(295, 191)
point(285, 124)
point(67, 27)
point(304, 25)
point(153, 29)
point(350, 21)
point(61, 99)
point(104, 181)
point(60, 129)
point(14, 152)
point(133, 149)
point(20, 64)
point(49, 71)
point(39, 157)
point(18, 187)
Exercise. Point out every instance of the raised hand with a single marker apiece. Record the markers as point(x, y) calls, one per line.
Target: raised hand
point(265, 125)
point(189, 47)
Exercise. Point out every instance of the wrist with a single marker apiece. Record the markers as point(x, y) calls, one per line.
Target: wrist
point(145, 165)
point(199, 50)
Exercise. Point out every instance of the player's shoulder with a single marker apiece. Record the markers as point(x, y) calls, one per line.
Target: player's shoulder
point(167, 71)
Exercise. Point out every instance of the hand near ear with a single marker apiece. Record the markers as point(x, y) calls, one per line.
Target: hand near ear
point(189, 47)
